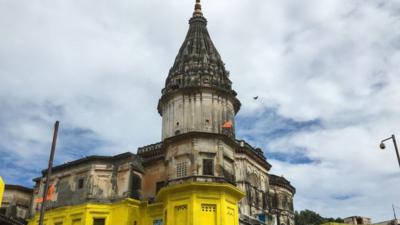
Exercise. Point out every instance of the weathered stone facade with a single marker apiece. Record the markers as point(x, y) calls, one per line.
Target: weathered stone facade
point(91, 179)
point(281, 194)
point(200, 110)
point(357, 220)
point(16, 202)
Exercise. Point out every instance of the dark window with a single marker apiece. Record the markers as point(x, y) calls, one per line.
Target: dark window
point(284, 202)
point(136, 186)
point(248, 193)
point(208, 167)
point(256, 198)
point(80, 183)
point(291, 205)
point(99, 221)
point(274, 201)
point(159, 185)
point(265, 201)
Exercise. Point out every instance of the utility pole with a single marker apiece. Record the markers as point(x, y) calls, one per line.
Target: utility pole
point(394, 213)
point(46, 187)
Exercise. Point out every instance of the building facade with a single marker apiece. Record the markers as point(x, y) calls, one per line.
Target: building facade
point(357, 220)
point(16, 202)
point(199, 173)
point(11, 202)
point(281, 194)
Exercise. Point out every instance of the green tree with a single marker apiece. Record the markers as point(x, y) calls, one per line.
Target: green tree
point(308, 217)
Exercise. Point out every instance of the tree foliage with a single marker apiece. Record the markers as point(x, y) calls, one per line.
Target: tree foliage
point(308, 217)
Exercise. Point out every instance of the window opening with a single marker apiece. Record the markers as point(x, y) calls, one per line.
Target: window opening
point(136, 186)
point(99, 221)
point(181, 169)
point(208, 207)
point(80, 183)
point(159, 185)
point(208, 167)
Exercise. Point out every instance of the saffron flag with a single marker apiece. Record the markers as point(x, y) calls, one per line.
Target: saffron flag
point(227, 124)
point(50, 194)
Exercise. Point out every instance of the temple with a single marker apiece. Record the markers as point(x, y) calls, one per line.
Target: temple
point(198, 173)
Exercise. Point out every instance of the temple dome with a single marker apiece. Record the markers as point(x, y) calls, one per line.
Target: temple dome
point(198, 63)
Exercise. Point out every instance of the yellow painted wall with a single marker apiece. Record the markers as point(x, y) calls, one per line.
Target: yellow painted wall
point(123, 212)
point(2, 185)
point(183, 204)
point(201, 203)
point(332, 223)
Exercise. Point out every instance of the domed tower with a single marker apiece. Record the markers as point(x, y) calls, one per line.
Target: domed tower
point(198, 95)
point(198, 107)
point(199, 167)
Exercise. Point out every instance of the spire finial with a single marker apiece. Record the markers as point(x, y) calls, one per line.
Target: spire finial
point(197, 9)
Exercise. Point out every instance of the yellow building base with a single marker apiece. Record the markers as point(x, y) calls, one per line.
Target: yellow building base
point(182, 204)
point(1, 190)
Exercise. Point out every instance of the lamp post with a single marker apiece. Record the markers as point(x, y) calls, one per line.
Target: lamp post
point(382, 146)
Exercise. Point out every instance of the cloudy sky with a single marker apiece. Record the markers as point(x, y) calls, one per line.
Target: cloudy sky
point(326, 73)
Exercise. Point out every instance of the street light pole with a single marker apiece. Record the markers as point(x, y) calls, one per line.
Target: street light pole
point(382, 146)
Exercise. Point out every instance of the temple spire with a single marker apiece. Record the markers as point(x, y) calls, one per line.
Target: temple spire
point(198, 65)
point(197, 9)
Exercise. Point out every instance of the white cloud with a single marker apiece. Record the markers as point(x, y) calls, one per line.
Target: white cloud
point(99, 67)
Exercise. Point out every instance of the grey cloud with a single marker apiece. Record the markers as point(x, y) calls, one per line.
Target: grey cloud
point(99, 66)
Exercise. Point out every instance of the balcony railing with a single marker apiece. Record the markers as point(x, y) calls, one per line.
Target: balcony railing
point(199, 178)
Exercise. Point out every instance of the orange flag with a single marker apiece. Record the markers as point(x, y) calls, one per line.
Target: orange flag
point(227, 124)
point(50, 194)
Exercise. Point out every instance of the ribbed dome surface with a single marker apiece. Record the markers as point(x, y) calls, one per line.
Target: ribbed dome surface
point(198, 63)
